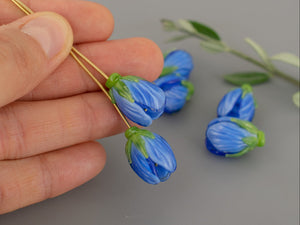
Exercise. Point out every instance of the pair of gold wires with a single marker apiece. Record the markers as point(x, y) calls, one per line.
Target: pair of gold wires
point(75, 53)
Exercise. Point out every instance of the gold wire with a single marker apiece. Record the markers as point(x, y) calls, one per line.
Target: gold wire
point(21, 6)
point(28, 11)
point(25, 6)
point(100, 85)
point(73, 53)
point(89, 73)
point(90, 62)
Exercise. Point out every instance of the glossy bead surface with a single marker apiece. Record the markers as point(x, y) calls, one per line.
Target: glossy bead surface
point(238, 103)
point(232, 137)
point(177, 91)
point(140, 100)
point(149, 155)
point(178, 62)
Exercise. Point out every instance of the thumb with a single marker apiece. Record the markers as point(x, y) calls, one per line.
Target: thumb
point(30, 49)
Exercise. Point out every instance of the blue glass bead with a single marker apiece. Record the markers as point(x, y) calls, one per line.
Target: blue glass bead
point(178, 62)
point(238, 103)
point(177, 91)
point(232, 137)
point(149, 155)
point(140, 100)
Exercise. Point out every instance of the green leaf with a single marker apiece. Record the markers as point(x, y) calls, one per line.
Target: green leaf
point(190, 87)
point(168, 70)
point(131, 78)
point(128, 150)
point(123, 91)
point(213, 46)
point(246, 125)
point(113, 100)
point(247, 78)
point(168, 52)
point(243, 152)
point(168, 25)
point(115, 81)
point(179, 38)
point(246, 89)
point(250, 141)
point(296, 99)
point(186, 25)
point(205, 30)
point(261, 52)
point(135, 135)
point(287, 58)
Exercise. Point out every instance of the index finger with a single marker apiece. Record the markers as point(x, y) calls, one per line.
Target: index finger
point(90, 21)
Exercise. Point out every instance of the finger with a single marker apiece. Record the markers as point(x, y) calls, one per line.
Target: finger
point(30, 128)
point(90, 21)
point(30, 49)
point(27, 181)
point(134, 56)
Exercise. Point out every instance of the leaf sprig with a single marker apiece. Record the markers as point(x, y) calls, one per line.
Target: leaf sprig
point(211, 41)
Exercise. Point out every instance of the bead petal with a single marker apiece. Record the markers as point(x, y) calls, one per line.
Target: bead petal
point(175, 98)
point(162, 173)
point(228, 102)
point(168, 79)
point(141, 166)
point(227, 137)
point(219, 119)
point(247, 107)
point(148, 96)
point(160, 152)
point(212, 148)
point(182, 60)
point(132, 110)
point(232, 137)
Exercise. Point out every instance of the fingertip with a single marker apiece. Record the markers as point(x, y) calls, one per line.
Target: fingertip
point(82, 162)
point(72, 167)
point(151, 58)
point(33, 179)
point(96, 157)
point(90, 21)
point(133, 56)
point(104, 26)
point(52, 32)
point(31, 49)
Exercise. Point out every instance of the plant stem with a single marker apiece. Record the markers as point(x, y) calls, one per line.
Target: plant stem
point(247, 58)
point(271, 71)
point(286, 77)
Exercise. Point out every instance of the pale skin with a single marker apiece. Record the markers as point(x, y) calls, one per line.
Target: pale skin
point(50, 110)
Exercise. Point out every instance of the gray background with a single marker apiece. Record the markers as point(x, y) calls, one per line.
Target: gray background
point(260, 188)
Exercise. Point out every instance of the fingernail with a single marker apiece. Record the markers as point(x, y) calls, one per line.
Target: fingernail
point(50, 31)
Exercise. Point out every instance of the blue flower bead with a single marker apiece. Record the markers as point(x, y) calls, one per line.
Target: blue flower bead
point(141, 101)
point(149, 155)
point(178, 62)
point(238, 103)
point(177, 91)
point(232, 137)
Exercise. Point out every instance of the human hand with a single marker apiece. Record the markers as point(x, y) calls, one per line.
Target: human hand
point(50, 110)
